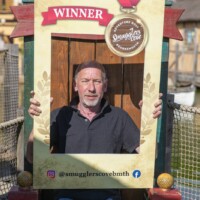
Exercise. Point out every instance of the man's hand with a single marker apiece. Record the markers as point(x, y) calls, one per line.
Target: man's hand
point(158, 107)
point(34, 109)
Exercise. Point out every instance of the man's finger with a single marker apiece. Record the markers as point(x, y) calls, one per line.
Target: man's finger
point(32, 93)
point(51, 100)
point(35, 108)
point(157, 109)
point(157, 114)
point(140, 104)
point(158, 103)
point(33, 113)
point(34, 102)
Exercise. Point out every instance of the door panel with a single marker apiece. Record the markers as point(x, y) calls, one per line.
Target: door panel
point(59, 72)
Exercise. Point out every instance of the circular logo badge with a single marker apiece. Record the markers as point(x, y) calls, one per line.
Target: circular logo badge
point(126, 35)
point(136, 173)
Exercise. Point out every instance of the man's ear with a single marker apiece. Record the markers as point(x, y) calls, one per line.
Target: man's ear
point(105, 86)
point(75, 86)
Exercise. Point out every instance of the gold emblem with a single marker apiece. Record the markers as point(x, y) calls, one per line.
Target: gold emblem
point(126, 35)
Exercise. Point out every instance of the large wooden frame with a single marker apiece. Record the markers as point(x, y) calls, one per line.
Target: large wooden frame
point(95, 170)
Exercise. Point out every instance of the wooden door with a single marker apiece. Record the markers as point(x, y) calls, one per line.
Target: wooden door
point(125, 75)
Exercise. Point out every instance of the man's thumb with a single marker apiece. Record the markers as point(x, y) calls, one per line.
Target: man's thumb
point(51, 100)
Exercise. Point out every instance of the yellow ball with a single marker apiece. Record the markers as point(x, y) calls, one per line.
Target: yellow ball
point(24, 179)
point(165, 181)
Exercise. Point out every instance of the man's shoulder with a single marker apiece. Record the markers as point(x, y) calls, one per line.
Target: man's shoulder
point(118, 111)
point(57, 110)
point(61, 111)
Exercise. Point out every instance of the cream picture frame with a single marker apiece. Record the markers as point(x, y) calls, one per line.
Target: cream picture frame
point(59, 171)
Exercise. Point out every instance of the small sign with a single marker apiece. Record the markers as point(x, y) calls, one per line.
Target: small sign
point(126, 35)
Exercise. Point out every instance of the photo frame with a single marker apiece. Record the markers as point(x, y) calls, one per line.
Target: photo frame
point(59, 171)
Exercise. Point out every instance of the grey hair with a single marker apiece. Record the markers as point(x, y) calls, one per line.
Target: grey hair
point(93, 64)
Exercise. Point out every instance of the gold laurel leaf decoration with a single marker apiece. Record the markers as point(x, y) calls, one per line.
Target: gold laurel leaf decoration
point(146, 132)
point(43, 121)
point(142, 141)
point(47, 141)
point(45, 76)
point(42, 131)
point(40, 86)
point(150, 94)
point(148, 78)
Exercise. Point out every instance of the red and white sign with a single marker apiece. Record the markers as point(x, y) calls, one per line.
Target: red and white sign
point(76, 13)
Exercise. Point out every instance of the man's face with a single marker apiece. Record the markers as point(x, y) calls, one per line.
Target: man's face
point(90, 86)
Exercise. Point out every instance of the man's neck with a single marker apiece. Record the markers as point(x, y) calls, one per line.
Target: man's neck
point(89, 112)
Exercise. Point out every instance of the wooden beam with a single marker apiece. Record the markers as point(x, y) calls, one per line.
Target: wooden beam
point(28, 84)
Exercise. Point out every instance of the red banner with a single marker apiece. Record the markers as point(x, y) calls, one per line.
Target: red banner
point(76, 13)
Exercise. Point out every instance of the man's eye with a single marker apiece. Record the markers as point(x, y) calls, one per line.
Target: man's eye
point(97, 81)
point(84, 81)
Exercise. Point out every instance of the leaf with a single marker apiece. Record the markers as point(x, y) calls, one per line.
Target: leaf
point(46, 92)
point(45, 76)
point(142, 142)
point(47, 141)
point(47, 84)
point(46, 123)
point(155, 96)
point(146, 132)
point(48, 129)
point(152, 101)
point(43, 101)
point(45, 112)
point(151, 121)
point(146, 112)
point(38, 120)
point(148, 77)
point(146, 93)
point(152, 87)
point(143, 122)
point(40, 86)
point(145, 86)
point(42, 131)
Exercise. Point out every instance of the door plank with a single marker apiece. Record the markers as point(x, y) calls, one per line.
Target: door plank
point(80, 51)
point(59, 72)
point(112, 64)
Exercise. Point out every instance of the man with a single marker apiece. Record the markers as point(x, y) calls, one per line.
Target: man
point(90, 125)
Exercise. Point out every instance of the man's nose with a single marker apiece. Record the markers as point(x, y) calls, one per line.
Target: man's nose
point(91, 86)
